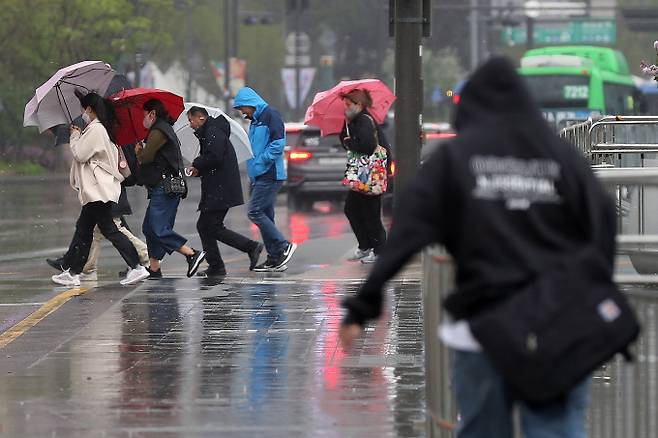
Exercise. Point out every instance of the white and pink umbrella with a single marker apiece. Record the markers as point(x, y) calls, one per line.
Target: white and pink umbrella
point(55, 103)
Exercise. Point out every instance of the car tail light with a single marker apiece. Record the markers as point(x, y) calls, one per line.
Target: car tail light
point(299, 155)
point(392, 168)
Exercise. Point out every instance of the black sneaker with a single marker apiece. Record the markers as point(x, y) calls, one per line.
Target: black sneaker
point(194, 260)
point(271, 266)
point(212, 273)
point(254, 255)
point(154, 275)
point(57, 264)
point(286, 256)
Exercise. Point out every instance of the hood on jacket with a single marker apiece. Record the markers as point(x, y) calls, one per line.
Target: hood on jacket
point(248, 97)
point(495, 90)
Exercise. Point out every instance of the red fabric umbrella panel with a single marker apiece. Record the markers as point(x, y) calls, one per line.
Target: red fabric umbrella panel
point(327, 109)
point(128, 105)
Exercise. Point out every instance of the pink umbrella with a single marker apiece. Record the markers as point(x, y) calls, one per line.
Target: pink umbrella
point(327, 109)
point(55, 103)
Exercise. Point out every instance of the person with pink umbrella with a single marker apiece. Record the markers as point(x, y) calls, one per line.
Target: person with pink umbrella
point(362, 136)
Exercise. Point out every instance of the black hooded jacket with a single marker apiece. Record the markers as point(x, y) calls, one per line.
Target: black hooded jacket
point(508, 198)
point(218, 167)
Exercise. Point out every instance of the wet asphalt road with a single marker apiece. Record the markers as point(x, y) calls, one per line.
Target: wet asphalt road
point(254, 355)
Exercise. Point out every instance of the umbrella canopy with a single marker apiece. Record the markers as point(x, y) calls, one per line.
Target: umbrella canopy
point(190, 143)
point(327, 109)
point(128, 105)
point(55, 103)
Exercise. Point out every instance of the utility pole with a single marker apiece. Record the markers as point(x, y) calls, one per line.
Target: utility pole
point(188, 64)
point(298, 100)
point(475, 37)
point(408, 20)
point(227, 54)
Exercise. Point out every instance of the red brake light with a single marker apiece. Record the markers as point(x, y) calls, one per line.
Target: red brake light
point(455, 99)
point(392, 168)
point(299, 155)
point(439, 135)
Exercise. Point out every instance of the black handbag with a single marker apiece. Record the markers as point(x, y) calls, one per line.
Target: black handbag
point(174, 183)
point(548, 336)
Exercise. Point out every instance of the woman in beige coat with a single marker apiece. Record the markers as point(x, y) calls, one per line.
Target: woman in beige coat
point(95, 176)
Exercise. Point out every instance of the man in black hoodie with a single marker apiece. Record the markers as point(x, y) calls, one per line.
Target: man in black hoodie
point(217, 165)
point(508, 199)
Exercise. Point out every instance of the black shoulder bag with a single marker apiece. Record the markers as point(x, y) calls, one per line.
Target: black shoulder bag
point(174, 183)
point(549, 335)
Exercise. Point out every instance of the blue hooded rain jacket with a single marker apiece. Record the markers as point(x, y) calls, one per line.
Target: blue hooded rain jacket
point(266, 133)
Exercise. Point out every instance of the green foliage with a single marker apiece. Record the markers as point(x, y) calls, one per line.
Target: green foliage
point(22, 168)
point(37, 37)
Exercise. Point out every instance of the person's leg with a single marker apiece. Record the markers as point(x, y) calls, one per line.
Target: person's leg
point(230, 237)
point(94, 251)
point(109, 229)
point(76, 256)
point(485, 407)
point(564, 419)
point(261, 213)
point(142, 249)
point(155, 250)
point(372, 222)
point(163, 209)
point(207, 225)
point(353, 212)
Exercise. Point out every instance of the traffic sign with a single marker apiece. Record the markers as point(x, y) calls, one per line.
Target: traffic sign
point(302, 43)
point(303, 60)
point(568, 32)
point(537, 9)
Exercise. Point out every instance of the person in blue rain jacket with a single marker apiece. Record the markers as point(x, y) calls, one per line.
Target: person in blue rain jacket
point(267, 174)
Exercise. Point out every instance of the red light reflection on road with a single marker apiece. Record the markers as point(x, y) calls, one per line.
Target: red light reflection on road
point(299, 229)
point(332, 352)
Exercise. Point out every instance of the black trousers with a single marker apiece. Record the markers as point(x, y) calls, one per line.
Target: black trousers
point(211, 230)
point(92, 214)
point(364, 213)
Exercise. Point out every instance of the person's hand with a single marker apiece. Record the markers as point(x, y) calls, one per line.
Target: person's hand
point(348, 334)
point(138, 147)
point(192, 171)
point(75, 129)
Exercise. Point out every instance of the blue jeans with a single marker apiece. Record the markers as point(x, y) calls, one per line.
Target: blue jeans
point(261, 213)
point(485, 405)
point(158, 226)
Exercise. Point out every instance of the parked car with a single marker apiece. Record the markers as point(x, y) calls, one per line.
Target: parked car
point(316, 166)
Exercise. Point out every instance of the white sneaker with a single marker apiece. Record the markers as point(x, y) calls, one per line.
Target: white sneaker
point(358, 254)
point(370, 258)
point(89, 276)
point(135, 275)
point(67, 279)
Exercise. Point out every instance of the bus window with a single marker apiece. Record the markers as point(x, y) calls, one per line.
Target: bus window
point(559, 91)
point(618, 99)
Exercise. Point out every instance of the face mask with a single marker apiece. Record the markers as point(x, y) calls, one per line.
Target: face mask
point(147, 122)
point(352, 112)
point(86, 118)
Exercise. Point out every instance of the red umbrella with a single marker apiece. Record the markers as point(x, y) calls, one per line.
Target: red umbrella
point(128, 105)
point(327, 109)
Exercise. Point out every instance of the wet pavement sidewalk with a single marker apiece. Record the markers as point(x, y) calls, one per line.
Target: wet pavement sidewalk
point(252, 356)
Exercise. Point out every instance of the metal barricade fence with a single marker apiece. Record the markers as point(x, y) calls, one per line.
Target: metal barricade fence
point(624, 397)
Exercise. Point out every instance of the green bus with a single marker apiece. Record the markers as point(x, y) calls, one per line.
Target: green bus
point(572, 83)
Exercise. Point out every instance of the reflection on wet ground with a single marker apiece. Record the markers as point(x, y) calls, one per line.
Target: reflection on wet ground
point(180, 357)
